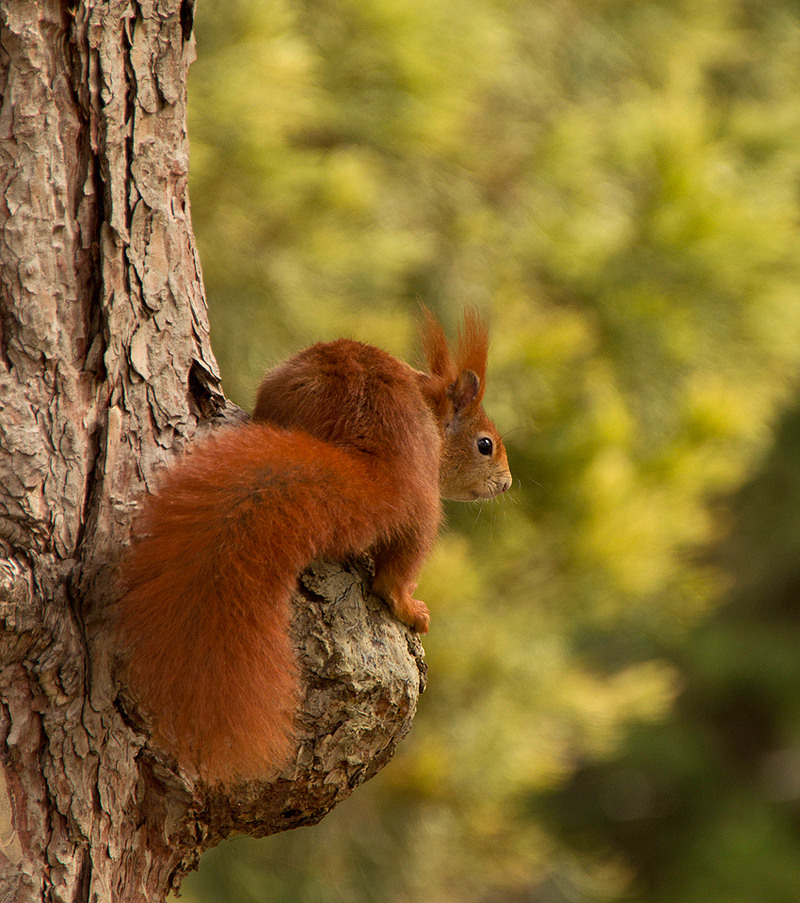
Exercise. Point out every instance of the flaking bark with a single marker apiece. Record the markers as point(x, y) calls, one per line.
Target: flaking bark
point(106, 373)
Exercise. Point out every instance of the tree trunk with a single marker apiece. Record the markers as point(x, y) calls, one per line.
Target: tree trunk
point(106, 373)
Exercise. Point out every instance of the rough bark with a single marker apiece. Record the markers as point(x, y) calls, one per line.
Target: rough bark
point(106, 373)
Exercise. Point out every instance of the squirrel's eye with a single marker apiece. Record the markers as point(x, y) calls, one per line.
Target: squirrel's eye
point(485, 445)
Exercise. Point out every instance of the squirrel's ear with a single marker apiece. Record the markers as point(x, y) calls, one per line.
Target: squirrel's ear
point(464, 391)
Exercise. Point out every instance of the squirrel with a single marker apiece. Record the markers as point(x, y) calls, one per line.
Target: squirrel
point(349, 450)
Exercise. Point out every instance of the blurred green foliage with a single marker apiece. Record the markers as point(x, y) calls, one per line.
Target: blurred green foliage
point(706, 804)
point(615, 185)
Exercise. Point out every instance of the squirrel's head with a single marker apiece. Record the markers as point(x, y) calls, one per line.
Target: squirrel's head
point(474, 463)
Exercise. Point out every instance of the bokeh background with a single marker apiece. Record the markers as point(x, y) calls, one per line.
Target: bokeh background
point(613, 710)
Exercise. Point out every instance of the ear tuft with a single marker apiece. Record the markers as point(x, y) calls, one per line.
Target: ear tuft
point(437, 352)
point(473, 348)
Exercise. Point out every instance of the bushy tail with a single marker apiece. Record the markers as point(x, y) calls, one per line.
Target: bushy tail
point(205, 614)
point(209, 578)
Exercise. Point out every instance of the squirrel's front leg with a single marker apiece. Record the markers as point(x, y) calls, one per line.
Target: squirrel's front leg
point(396, 567)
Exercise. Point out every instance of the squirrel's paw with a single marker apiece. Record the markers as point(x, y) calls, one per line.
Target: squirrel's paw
point(404, 606)
point(414, 613)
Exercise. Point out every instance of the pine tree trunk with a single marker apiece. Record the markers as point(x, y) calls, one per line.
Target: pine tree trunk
point(106, 373)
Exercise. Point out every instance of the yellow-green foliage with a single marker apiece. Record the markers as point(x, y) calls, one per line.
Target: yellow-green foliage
point(614, 184)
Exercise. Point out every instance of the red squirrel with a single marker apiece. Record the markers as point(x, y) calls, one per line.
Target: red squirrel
point(349, 451)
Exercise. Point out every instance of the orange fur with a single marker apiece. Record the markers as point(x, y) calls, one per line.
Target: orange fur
point(348, 456)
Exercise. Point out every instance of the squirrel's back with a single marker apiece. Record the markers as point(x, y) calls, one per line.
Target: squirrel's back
point(352, 394)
